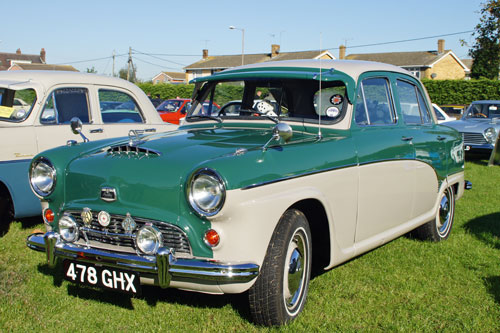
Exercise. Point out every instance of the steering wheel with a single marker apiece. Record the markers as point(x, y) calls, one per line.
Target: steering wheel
point(480, 115)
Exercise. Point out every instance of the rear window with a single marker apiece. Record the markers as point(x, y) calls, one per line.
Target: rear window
point(16, 105)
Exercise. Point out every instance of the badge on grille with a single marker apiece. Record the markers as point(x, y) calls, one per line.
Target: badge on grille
point(86, 216)
point(128, 224)
point(108, 193)
point(104, 218)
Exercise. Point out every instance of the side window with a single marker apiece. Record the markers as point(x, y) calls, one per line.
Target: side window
point(118, 107)
point(64, 104)
point(413, 104)
point(374, 103)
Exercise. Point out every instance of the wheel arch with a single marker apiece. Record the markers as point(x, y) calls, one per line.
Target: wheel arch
point(317, 218)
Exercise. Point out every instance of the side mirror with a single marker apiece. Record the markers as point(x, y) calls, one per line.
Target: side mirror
point(280, 131)
point(76, 128)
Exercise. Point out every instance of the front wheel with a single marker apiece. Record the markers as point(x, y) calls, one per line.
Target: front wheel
point(439, 228)
point(280, 292)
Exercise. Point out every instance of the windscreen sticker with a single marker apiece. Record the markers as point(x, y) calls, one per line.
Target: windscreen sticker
point(336, 99)
point(332, 112)
point(6, 111)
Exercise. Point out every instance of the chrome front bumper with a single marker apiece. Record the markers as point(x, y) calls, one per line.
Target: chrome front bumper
point(163, 267)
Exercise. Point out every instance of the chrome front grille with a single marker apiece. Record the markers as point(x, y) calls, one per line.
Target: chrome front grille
point(474, 138)
point(115, 237)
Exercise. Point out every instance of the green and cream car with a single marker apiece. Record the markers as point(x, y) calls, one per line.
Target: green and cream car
point(306, 165)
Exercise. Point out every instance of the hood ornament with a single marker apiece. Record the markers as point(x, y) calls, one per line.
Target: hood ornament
point(280, 131)
point(134, 137)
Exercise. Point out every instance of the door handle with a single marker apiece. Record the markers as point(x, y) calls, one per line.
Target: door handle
point(441, 138)
point(97, 130)
point(407, 138)
point(150, 130)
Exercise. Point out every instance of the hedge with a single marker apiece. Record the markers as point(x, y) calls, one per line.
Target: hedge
point(462, 91)
point(440, 91)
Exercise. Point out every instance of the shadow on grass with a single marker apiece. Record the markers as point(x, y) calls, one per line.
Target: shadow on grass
point(479, 159)
point(26, 223)
point(150, 294)
point(493, 285)
point(486, 228)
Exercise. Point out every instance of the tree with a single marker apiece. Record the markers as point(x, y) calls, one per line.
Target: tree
point(91, 70)
point(486, 49)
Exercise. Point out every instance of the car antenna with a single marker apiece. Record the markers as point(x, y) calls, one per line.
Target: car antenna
point(320, 136)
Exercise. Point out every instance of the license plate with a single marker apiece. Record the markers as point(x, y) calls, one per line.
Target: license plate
point(104, 277)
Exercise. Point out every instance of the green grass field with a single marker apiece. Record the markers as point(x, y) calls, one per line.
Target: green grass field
point(406, 285)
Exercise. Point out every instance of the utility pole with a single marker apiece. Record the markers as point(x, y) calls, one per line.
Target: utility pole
point(129, 62)
point(114, 54)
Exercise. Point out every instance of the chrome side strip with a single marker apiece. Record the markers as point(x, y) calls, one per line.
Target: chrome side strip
point(163, 265)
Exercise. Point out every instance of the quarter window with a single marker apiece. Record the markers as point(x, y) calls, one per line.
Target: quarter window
point(413, 104)
point(374, 103)
point(64, 104)
point(118, 107)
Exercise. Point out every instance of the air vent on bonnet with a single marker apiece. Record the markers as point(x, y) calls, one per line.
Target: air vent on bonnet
point(131, 151)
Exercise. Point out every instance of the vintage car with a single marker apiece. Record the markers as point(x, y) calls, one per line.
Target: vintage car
point(480, 126)
point(35, 110)
point(173, 110)
point(257, 198)
point(441, 116)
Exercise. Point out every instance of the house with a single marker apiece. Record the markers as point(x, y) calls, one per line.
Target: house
point(7, 60)
point(440, 65)
point(212, 64)
point(169, 77)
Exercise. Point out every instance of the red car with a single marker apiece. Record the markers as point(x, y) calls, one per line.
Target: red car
point(172, 110)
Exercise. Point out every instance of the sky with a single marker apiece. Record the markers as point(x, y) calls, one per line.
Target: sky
point(169, 35)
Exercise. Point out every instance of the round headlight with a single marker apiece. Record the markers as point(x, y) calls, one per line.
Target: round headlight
point(490, 134)
point(206, 192)
point(68, 229)
point(149, 239)
point(42, 177)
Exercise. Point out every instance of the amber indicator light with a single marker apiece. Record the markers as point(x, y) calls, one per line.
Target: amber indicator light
point(212, 238)
point(49, 215)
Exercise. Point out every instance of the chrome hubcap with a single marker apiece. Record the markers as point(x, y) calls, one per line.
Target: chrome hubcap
point(295, 270)
point(445, 213)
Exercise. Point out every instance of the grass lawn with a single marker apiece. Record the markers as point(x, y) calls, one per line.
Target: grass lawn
point(406, 285)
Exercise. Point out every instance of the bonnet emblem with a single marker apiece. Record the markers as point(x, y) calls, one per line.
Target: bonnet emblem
point(108, 194)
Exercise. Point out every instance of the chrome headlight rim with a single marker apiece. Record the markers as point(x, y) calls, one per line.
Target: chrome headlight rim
point(211, 174)
point(53, 176)
point(66, 222)
point(158, 239)
point(490, 134)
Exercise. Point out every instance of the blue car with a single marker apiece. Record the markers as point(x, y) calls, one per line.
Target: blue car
point(479, 125)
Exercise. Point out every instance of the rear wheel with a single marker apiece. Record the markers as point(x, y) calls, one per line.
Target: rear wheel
point(280, 292)
point(439, 228)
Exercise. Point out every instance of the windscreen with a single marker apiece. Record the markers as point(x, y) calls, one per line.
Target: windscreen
point(16, 105)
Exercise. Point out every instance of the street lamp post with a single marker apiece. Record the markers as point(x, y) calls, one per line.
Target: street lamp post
point(242, 42)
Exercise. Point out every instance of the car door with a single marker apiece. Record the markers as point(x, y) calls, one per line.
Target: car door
point(120, 112)
point(429, 141)
point(52, 127)
point(385, 155)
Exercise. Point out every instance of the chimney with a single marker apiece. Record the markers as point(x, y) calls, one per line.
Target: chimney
point(42, 55)
point(275, 50)
point(440, 46)
point(342, 52)
point(205, 54)
point(18, 51)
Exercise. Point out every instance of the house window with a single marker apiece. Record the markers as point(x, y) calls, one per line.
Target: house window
point(414, 70)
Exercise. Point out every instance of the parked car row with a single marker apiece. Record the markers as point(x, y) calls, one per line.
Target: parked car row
point(340, 158)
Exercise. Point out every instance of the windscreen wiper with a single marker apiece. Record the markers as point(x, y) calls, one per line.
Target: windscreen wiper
point(217, 119)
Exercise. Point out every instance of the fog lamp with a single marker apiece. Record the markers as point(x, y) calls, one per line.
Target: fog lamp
point(149, 239)
point(68, 229)
point(212, 238)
